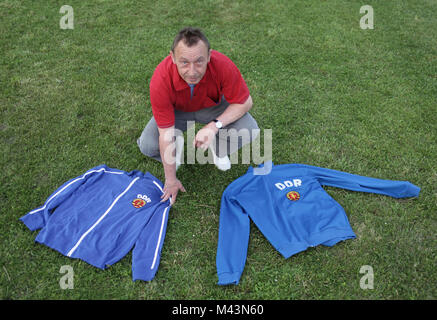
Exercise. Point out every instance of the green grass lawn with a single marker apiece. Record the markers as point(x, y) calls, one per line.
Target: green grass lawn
point(334, 95)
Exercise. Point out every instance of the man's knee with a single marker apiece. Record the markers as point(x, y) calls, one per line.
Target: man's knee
point(254, 128)
point(147, 148)
point(148, 142)
point(247, 128)
point(236, 135)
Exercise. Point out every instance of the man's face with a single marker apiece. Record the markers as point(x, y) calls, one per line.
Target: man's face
point(191, 62)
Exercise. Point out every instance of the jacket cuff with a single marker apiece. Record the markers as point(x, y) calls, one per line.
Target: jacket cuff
point(33, 222)
point(228, 278)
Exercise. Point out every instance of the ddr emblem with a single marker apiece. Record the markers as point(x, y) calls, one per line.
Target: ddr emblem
point(293, 196)
point(138, 203)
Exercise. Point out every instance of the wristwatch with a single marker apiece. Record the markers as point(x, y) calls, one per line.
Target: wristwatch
point(218, 123)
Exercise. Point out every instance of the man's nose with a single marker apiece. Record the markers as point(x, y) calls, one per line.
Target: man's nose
point(192, 69)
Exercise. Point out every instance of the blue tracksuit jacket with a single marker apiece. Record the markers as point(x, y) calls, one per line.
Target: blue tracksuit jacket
point(99, 216)
point(291, 209)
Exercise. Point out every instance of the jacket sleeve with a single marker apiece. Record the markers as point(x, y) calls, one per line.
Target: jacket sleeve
point(392, 188)
point(37, 218)
point(233, 239)
point(147, 251)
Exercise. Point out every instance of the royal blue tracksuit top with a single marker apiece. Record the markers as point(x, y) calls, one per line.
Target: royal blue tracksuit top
point(291, 209)
point(101, 215)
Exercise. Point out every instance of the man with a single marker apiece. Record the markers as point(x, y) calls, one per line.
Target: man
point(195, 83)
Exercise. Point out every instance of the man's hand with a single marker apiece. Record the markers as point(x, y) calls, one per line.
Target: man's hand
point(233, 112)
point(171, 189)
point(205, 136)
point(167, 149)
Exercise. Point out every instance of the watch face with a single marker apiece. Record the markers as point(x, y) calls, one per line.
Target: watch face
point(218, 124)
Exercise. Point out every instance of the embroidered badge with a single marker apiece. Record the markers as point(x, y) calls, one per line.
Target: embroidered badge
point(138, 203)
point(293, 196)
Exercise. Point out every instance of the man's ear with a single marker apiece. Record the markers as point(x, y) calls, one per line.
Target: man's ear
point(209, 55)
point(173, 57)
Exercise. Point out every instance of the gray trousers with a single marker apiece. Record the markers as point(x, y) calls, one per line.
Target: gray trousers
point(227, 141)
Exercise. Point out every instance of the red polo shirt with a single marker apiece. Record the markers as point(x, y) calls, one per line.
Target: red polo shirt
point(168, 91)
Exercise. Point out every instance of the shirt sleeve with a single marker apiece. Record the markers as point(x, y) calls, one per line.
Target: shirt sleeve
point(37, 218)
point(234, 229)
point(160, 99)
point(234, 88)
point(146, 254)
point(392, 188)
